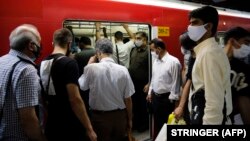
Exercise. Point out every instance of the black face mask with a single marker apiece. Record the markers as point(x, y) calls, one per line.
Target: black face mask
point(37, 52)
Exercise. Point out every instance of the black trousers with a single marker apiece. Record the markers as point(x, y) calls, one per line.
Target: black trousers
point(162, 107)
point(140, 111)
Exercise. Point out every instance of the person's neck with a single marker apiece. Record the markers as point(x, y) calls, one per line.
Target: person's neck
point(118, 41)
point(228, 49)
point(60, 50)
point(162, 54)
point(104, 55)
point(205, 37)
point(88, 46)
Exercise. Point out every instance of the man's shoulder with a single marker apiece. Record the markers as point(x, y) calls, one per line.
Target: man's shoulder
point(174, 59)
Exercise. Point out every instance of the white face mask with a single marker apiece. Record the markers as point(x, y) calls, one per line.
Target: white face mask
point(196, 32)
point(241, 52)
point(138, 43)
point(154, 55)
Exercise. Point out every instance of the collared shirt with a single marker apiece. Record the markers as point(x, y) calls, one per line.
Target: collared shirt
point(211, 72)
point(123, 52)
point(109, 85)
point(25, 91)
point(138, 68)
point(166, 76)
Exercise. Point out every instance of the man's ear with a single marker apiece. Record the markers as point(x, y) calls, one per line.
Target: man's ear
point(209, 26)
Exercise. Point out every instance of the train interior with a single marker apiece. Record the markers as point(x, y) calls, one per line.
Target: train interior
point(87, 28)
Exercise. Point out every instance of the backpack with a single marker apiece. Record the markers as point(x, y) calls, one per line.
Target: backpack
point(45, 75)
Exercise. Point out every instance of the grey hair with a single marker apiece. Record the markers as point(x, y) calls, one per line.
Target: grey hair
point(22, 35)
point(104, 45)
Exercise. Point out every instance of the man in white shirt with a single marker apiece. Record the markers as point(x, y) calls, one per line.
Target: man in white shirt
point(110, 94)
point(211, 70)
point(121, 51)
point(165, 84)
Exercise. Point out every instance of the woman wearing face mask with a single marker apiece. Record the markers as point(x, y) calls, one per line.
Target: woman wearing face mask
point(237, 46)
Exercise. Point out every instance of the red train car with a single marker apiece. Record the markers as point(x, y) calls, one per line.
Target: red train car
point(166, 19)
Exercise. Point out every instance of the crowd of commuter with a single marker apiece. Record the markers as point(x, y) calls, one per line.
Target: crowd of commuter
point(104, 92)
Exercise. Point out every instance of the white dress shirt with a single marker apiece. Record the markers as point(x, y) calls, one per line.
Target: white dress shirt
point(123, 52)
point(211, 72)
point(166, 76)
point(109, 85)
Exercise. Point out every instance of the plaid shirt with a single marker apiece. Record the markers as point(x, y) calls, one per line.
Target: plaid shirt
point(24, 92)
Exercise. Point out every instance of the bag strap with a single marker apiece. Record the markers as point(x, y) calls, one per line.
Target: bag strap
point(53, 63)
point(8, 86)
point(117, 54)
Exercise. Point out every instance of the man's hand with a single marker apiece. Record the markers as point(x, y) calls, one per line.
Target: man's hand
point(98, 25)
point(146, 88)
point(92, 135)
point(178, 112)
point(149, 98)
point(92, 59)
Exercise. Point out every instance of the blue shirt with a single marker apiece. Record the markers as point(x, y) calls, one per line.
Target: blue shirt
point(24, 92)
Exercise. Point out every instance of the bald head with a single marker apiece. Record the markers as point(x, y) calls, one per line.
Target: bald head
point(22, 35)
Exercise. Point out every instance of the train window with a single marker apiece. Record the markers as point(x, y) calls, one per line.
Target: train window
point(87, 28)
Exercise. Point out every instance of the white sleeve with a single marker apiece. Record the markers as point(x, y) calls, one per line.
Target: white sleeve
point(129, 89)
point(84, 79)
point(176, 84)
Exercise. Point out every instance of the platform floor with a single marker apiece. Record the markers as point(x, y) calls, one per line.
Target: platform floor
point(144, 136)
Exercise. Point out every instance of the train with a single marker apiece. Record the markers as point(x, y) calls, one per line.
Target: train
point(163, 19)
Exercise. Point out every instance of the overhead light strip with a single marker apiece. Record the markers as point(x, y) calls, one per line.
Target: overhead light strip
point(186, 6)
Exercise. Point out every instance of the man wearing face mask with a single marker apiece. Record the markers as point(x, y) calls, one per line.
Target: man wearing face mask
point(165, 84)
point(19, 86)
point(237, 46)
point(211, 71)
point(139, 72)
point(67, 114)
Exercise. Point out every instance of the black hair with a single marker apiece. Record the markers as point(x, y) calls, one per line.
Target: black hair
point(158, 43)
point(143, 34)
point(125, 40)
point(207, 14)
point(85, 40)
point(119, 35)
point(236, 33)
point(186, 42)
